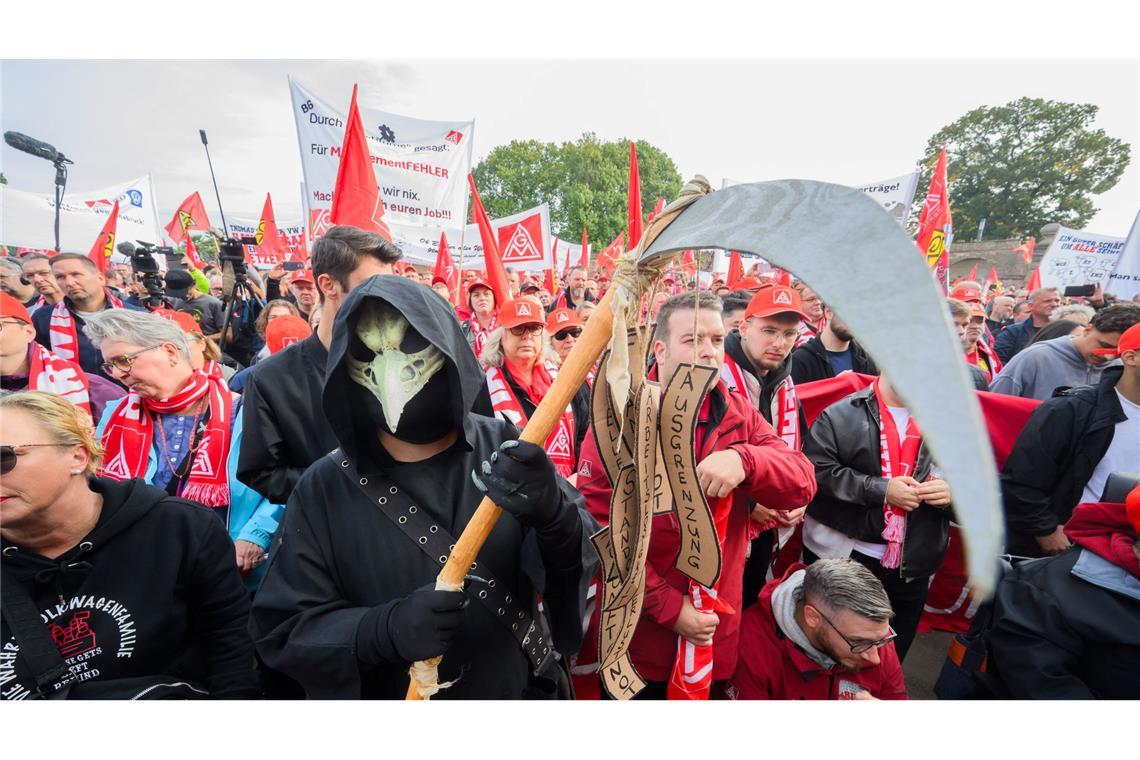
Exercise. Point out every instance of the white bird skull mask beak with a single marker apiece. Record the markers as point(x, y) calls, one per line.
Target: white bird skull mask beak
point(392, 375)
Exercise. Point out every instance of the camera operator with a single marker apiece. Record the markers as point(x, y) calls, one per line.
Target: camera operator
point(207, 311)
point(148, 291)
point(242, 302)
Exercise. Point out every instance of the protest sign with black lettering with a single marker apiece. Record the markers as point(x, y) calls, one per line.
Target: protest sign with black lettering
point(1124, 282)
point(292, 235)
point(1077, 257)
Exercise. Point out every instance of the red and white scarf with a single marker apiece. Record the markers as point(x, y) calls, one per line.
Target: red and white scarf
point(983, 356)
point(48, 372)
point(691, 677)
point(560, 443)
point(480, 333)
point(897, 460)
point(64, 336)
point(212, 368)
point(129, 437)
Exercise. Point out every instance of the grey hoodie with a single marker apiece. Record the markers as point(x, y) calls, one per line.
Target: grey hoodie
point(1043, 367)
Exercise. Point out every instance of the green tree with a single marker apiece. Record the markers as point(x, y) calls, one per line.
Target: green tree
point(585, 182)
point(205, 245)
point(3, 179)
point(1023, 165)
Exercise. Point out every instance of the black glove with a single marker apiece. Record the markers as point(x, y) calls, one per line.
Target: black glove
point(421, 625)
point(521, 480)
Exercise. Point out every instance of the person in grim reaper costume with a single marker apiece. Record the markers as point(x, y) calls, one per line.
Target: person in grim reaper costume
point(349, 600)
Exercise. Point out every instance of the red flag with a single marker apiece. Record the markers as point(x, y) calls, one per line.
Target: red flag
point(935, 225)
point(356, 196)
point(782, 277)
point(191, 215)
point(973, 275)
point(496, 274)
point(633, 206)
point(1026, 250)
point(735, 269)
point(1034, 280)
point(955, 283)
point(584, 261)
point(549, 283)
point(446, 269)
point(992, 279)
point(268, 239)
point(688, 264)
point(105, 243)
point(657, 209)
point(192, 253)
point(608, 257)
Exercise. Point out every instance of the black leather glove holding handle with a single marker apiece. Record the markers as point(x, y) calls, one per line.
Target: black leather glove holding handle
point(521, 480)
point(419, 626)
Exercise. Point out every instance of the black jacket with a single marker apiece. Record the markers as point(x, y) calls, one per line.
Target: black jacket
point(769, 383)
point(1013, 338)
point(1054, 457)
point(152, 590)
point(1061, 632)
point(810, 362)
point(338, 558)
point(843, 444)
point(285, 431)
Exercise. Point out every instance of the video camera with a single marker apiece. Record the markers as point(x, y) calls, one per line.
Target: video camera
point(144, 265)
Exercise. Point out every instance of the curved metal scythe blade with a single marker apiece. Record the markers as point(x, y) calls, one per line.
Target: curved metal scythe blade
point(865, 267)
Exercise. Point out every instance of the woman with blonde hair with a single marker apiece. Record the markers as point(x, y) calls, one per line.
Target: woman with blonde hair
point(112, 589)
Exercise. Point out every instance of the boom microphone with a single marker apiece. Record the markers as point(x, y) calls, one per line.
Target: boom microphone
point(32, 146)
point(127, 248)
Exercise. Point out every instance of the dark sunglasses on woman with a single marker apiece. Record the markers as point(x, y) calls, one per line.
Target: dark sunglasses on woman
point(563, 334)
point(9, 455)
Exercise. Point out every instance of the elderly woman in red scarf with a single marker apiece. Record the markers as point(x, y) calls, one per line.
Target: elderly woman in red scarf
point(178, 428)
point(518, 377)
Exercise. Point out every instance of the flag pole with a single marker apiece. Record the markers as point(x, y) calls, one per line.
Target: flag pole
point(206, 145)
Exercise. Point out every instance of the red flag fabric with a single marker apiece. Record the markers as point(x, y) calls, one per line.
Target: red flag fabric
point(549, 282)
point(688, 264)
point(973, 275)
point(584, 261)
point(105, 244)
point(496, 273)
point(445, 268)
point(782, 277)
point(268, 239)
point(658, 207)
point(735, 269)
point(1034, 280)
point(633, 206)
point(608, 257)
point(356, 196)
point(992, 279)
point(956, 282)
point(935, 225)
point(192, 253)
point(191, 215)
point(1025, 250)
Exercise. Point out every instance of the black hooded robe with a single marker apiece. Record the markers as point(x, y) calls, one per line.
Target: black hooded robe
point(337, 556)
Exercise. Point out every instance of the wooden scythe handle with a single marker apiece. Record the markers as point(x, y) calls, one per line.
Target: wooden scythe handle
point(595, 337)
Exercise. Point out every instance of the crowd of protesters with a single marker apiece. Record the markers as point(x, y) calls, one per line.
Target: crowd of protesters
point(161, 466)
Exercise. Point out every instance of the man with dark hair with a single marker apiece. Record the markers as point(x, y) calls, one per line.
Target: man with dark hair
point(734, 305)
point(1068, 448)
point(1042, 303)
point(1043, 367)
point(833, 351)
point(37, 271)
point(740, 461)
point(285, 430)
point(820, 632)
point(60, 328)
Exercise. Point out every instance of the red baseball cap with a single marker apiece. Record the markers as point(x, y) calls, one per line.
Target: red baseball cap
point(437, 279)
point(184, 321)
point(283, 332)
point(775, 299)
point(519, 313)
point(478, 282)
point(302, 275)
point(967, 293)
point(562, 319)
point(1129, 341)
point(529, 285)
point(13, 309)
point(410, 267)
point(748, 283)
point(976, 309)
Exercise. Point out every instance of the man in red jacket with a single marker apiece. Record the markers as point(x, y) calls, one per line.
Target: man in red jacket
point(740, 460)
point(820, 632)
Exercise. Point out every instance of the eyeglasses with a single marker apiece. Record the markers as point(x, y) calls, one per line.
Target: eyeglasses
point(522, 330)
point(562, 334)
point(858, 647)
point(783, 336)
point(8, 454)
point(13, 322)
point(126, 361)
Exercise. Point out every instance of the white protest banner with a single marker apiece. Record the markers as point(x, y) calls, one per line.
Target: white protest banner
point(292, 234)
point(28, 219)
point(421, 168)
point(569, 254)
point(895, 194)
point(1124, 282)
point(1076, 257)
point(524, 242)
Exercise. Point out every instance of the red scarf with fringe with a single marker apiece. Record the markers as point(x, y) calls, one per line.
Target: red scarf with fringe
point(897, 460)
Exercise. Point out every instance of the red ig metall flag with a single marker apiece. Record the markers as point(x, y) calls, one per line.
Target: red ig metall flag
point(445, 269)
point(105, 244)
point(192, 253)
point(735, 270)
point(191, 215)
point(935, 228)
point(268, 239)
point(356, 195)
point(493, 262)
point(633, 205)
point(584, 261)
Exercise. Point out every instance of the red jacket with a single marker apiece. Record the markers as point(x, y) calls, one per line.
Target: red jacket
point(775, 476)
point(772, 667)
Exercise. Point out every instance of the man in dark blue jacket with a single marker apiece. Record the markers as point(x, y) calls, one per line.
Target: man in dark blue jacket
point(1042, 302)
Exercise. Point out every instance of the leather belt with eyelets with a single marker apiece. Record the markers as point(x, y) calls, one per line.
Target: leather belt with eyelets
point(437, 543)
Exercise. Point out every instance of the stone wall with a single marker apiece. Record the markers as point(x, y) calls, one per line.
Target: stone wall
point(1011, 268)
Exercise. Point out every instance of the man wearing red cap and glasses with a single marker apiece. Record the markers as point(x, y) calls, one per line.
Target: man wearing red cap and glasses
point(1067, 450)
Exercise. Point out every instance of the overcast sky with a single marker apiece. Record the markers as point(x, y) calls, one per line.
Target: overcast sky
point(851, 122)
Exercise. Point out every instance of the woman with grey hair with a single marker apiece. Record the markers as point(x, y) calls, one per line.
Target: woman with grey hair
point(1080, 313)
point(178, 428)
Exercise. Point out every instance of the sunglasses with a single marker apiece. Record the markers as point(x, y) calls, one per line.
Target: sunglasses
point(522, 330)
point(563, 334)
point(125, 362)
point(9, 454)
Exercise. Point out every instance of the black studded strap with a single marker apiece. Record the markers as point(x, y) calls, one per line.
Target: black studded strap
point(437, 543)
